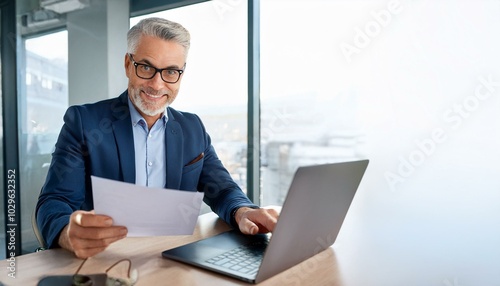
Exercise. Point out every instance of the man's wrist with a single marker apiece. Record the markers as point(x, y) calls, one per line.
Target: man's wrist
point(63, 239)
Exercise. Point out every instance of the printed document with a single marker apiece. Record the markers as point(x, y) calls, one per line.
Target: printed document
point(147, 211)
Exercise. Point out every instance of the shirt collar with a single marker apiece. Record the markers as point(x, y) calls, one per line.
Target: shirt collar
point(137, 117)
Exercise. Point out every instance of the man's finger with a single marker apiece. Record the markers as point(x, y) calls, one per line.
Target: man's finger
point(88, 219)
point(98, 232)
point(264, 220)
point(83, 243)
point(247, 226)
point(270, 218)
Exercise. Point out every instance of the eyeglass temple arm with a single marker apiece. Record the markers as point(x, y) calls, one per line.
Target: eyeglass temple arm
point(119, 261)
point(80, 267)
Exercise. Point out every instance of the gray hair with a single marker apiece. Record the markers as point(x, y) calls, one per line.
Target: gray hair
point(160, 28)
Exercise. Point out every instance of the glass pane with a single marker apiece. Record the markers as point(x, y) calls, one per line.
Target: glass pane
point(411, 85)
point(43, 101)
point(214, 85)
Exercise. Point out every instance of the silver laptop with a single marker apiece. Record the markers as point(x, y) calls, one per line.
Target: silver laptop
point(310, 220)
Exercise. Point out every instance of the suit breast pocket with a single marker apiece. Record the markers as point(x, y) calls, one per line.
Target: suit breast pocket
point(191, 176)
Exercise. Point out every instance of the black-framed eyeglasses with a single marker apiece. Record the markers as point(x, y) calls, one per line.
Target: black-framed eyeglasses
point(145, 71)
point(88, 280)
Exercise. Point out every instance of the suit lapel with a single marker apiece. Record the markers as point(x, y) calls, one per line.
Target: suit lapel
point(174, 151)
point(124, 137)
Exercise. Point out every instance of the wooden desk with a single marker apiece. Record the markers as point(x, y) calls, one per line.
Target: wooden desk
point(145, 254)
point(387, 249)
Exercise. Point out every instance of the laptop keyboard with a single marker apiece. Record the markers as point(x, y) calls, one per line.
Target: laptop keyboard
point(245, 259)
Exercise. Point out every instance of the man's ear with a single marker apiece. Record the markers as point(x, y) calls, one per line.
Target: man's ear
point(127, 63)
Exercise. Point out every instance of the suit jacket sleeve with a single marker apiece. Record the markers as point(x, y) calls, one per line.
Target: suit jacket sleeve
point(64, 188)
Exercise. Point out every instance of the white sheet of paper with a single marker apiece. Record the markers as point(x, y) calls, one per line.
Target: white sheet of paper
point(147, 211)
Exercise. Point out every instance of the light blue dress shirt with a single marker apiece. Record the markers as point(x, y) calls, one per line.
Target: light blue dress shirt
point(149, 145)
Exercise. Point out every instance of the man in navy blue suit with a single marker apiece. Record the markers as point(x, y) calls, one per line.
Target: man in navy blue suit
point(137, 138)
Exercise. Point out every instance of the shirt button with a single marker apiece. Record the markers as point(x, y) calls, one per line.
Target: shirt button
point(149, 135)
point(150, 164)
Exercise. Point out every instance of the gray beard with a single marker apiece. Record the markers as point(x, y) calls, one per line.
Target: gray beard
point(139, 103)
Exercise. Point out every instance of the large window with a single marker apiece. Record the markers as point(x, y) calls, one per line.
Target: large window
point(43, 101)
point(411, 85)
point(214, 85)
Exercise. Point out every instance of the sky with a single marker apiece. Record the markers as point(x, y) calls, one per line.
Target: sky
point(51, 46)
